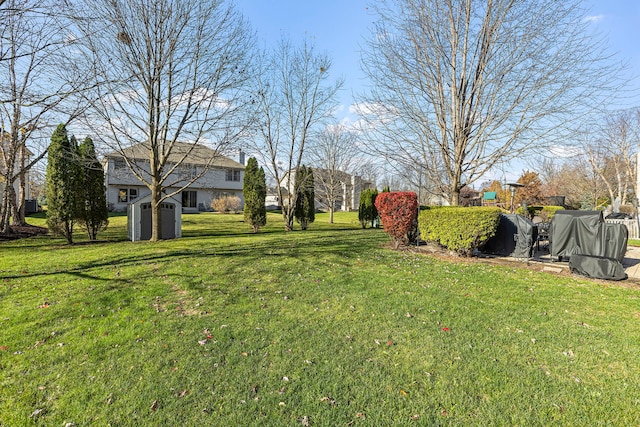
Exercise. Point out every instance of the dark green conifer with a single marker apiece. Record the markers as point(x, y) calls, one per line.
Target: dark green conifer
point(64, 184)
point(305, 197)
point(367, 212)
point(255, 193)
point(95, 215)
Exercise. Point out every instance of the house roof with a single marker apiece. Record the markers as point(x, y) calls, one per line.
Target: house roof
point(198, 154)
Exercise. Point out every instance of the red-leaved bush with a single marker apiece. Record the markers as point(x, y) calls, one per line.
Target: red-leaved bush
point(398, 212)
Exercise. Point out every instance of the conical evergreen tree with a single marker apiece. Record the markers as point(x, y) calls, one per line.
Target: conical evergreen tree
point(64, 181)
point(255, 193)
point(95, 215)
point(305, 199)
point(367, 212)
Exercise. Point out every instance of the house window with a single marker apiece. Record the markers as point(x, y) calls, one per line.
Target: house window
point(125, 195)
point(189, 199)
point(232, 175)
point(189, 171)
point(119, 164)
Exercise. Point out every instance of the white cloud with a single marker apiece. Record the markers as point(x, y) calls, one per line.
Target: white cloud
point(564, 152)
point(594, 18)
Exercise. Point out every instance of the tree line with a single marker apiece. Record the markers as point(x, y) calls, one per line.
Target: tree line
point(456, 88)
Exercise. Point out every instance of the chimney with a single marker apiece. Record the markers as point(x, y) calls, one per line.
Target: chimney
point(241, 157)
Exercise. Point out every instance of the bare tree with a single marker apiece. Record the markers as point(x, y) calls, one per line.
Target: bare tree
point(31, 92)
point(170, 78)
point(334, 156)
point(463, 85)
point(294, 98)
point(612, 153)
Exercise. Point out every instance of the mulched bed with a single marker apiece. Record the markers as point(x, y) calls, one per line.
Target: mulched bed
point(22, 232)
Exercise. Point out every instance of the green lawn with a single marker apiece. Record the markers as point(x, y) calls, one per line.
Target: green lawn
point(324, 328)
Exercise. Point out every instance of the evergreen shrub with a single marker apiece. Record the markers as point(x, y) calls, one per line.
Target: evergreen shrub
point(367, 212)
point(398, 212)
point(459, 229)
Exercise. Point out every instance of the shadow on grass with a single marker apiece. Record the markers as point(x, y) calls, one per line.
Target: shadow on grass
point(340, 245)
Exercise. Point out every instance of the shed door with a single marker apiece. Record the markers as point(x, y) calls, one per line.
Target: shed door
point(168, 218)
point(145, 221)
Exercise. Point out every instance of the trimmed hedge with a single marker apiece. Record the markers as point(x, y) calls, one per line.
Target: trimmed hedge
point(459, 229)
point(398, 212)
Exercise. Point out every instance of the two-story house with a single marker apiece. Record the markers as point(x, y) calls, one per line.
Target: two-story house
point(344, 189)
point(213, 176)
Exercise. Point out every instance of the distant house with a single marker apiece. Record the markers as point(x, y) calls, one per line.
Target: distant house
point(347, 189)
point(223, 176)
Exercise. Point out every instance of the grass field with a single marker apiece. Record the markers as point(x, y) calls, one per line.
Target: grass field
point(325, 327)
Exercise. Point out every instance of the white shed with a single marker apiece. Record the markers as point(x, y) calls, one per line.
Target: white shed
point(139, 218)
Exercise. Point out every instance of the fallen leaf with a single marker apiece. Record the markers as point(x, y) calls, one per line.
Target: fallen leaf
point(415, 417)
point(361, 415)
point(4, 348)
point(202, 342)
point(328, 399)
point(305, 421)
point(404, 393)
point(37, 412)
point(154, 405)
point(183, 393)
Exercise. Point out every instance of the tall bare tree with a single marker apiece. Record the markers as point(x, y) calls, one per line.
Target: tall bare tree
point(295, 97)
point(31, 92)
point(611, 152)
point(460, 86)
point(171, 77)
point(334, 156)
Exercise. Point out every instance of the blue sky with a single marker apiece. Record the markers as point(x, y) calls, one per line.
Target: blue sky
point(340, 26)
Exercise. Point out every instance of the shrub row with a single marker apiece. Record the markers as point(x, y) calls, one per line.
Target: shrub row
point(459, 229)
point(226, 204)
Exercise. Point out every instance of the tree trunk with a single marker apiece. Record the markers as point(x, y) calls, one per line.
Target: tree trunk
point(331, 214)
point(287, 215)
point(68, 227)
point(156, 212)
point(19, 217)
point(5, 209)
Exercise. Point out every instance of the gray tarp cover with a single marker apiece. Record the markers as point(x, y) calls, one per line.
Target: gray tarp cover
point(595, 248)
point(586, 233)
point(514, 237)
point(597, 267)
